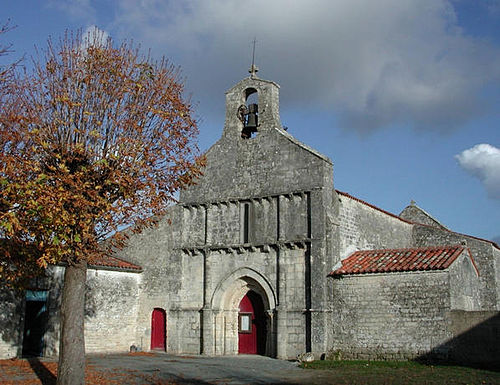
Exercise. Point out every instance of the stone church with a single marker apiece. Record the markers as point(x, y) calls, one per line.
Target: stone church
point(264, 256)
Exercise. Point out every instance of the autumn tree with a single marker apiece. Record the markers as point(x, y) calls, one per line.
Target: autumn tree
point(96, 138)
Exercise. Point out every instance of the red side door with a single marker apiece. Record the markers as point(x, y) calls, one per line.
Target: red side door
point(247, 327)
point(158, 329)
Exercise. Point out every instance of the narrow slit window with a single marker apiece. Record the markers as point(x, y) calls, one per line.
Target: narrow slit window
point(246, 222)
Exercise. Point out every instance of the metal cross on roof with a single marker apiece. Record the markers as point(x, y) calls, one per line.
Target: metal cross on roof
point(253, 68)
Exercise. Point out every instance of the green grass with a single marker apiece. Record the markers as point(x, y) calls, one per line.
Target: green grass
point(400, 372)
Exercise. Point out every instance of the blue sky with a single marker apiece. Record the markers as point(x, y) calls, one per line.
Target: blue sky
point(402, 95)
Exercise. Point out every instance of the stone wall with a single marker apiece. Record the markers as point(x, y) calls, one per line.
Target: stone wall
point(110, 312)
point(111, 304)
point(11, 317)
point(363, 227)
point(465, 291)
point(163, 282)
point(415, 214)
point(271, 163)
point(476, 340)
point(389, 316)
point(485, 254)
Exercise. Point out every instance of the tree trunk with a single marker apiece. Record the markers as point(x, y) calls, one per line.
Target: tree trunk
point(71, 370)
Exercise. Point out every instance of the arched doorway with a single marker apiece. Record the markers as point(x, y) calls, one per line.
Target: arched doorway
point(158, 329)
point(251, 325)
point(222, 319)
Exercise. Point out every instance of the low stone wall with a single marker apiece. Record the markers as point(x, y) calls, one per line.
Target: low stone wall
point(389, 316)
point(405, 316)
point(475, 341)
point(11, 308)
point(110, 311)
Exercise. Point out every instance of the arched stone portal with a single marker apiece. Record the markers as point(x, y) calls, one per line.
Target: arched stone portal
point(220, 321)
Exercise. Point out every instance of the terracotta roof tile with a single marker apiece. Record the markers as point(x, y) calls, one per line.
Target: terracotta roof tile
point(114, 263)
point(397, 260)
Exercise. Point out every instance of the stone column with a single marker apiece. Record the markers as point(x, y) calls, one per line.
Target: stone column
point(208, 347)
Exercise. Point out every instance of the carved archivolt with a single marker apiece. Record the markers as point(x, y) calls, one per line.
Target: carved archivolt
point(231, 290)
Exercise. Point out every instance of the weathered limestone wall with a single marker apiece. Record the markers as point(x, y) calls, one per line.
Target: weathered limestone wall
point(110, 313)
point(414, 213)
point(111, 304)
point(485, 255)
point(363, 228)
point(464, 284)
point(496, 264)
point(286, 190)
point(171, 280)
point(291, 318)
point(271, 163)
point(11, 332)
point(390, 316)
point(476, 339)
point(12, 315)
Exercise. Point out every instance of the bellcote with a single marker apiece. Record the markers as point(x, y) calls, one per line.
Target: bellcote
point(252, 106)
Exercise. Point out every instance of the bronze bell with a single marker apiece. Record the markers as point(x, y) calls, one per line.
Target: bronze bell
point(252, 118)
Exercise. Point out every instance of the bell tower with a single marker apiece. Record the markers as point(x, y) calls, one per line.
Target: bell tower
point(252, 107)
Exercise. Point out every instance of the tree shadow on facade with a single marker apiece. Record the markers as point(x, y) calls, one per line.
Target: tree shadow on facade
point(10, 317)
point(44, 375)
point(475, 345)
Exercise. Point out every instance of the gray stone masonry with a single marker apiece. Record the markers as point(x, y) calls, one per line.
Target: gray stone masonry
point(203, 257)
point(485, 254)
point(397, 315)
point(413, 213)
point(363, 227)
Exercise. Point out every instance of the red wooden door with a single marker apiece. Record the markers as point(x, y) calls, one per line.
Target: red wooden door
point(252, 327)
point(247, 328)
point(158, 329)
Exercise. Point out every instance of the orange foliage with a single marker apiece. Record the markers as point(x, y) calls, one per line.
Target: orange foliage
point(98, 137)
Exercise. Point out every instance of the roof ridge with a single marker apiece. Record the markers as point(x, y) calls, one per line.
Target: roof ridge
point(374, 207)
point(296, 141)
point(413, 204)
point(403, 249)
point(494, 244)
point(121, 264)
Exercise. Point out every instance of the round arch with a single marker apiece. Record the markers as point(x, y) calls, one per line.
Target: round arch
point(222, 331)
point(232, 288)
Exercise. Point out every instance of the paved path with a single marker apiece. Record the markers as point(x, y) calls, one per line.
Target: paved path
point(242, 369)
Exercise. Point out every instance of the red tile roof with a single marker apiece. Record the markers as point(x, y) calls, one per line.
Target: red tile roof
point(396, 260)
point(114, 263)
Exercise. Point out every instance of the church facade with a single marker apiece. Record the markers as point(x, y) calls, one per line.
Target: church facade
point(264, 256)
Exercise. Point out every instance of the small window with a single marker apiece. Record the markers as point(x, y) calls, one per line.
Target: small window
point(246, 221)
point(245, 322)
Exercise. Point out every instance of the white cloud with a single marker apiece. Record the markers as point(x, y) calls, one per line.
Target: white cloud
point(483, 161)
point(93, 36)
point(75, 9)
